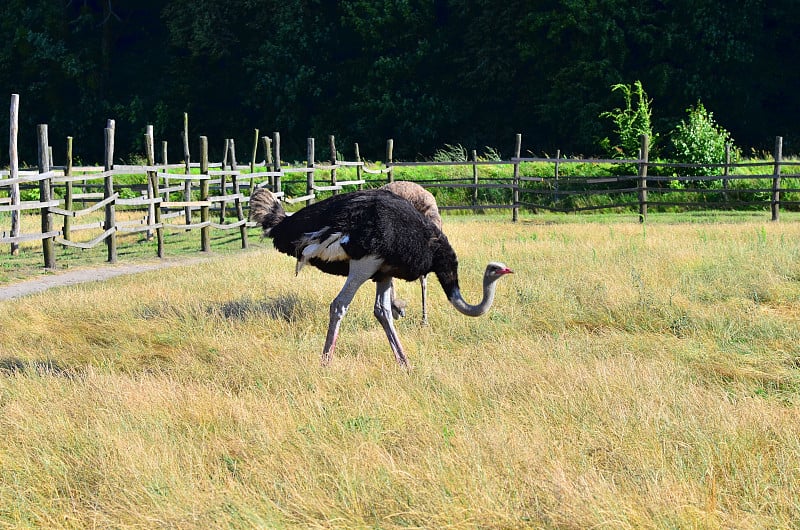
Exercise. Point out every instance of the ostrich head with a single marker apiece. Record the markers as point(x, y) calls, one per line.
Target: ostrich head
point(494, 271)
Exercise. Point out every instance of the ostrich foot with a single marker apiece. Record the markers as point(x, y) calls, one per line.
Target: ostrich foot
point(398, 309)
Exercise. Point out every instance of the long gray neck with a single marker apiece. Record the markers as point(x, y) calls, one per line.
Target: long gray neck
point(447, 273)
point(489, 288)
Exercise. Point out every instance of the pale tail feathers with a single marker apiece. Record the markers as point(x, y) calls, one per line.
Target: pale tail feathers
point(266, 209)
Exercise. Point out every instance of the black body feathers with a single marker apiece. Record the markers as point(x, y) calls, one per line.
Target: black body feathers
point(364, 223)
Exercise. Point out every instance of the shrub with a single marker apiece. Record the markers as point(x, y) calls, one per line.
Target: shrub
point(631, 122)
point(700, 140)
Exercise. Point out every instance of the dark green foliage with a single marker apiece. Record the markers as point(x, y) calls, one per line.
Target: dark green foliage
point(426, 73)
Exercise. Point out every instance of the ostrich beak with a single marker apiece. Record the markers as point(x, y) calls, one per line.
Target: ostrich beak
point(505, 271)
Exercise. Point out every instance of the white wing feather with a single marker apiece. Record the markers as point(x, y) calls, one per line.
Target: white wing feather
point(328, 250)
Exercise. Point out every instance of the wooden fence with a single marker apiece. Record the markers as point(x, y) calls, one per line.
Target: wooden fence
point(633, 190)
point(176, 197)
point(183, 196)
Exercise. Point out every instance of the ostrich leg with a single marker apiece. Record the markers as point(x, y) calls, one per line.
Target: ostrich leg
point(383, 312)
point(423, 283)
point(398, 306)
point(360, 271)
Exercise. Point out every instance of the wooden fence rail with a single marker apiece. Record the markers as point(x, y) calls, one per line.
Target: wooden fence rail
point(181, 196)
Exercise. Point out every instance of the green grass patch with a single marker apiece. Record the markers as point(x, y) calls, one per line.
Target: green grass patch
point(627, 375)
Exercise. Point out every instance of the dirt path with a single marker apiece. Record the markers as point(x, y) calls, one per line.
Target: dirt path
point(72, 277)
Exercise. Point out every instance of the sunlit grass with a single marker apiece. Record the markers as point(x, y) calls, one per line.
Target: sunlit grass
point(627, 376)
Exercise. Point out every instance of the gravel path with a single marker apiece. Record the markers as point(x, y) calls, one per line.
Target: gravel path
point(72, 277)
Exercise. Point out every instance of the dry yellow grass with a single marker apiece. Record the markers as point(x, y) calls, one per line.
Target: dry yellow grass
point(627, 377)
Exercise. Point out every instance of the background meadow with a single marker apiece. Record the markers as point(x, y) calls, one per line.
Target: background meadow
point(628, 376)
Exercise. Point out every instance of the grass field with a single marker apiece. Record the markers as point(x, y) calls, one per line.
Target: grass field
point(628, 376)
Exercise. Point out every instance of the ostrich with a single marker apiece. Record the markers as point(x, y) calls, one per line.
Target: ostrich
point(425, 203)
point(363, 235)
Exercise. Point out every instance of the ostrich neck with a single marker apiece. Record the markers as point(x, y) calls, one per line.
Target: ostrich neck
point(446, 269)
point(474, 310)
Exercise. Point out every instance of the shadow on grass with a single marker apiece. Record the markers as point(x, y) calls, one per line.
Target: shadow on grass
point(289, 308)
point(40, 367)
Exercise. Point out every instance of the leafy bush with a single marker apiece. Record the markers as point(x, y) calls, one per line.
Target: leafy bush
point(631, 122)
point(700, 140)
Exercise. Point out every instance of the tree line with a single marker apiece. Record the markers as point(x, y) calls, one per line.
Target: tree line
point(425, 72)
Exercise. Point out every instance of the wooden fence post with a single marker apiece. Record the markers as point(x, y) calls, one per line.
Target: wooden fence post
point(643, 157)
point(475, 178)
point(276, 159)
point(359, 169)
point(14, 169)
point(151, 193)
point(310, 164)
point(187, 169)
point(68, 193)
point(223, 180)
point(389, 154)
point(48, 243)
point(165, 163)
point(557, 195)
point(108, 191)
point(515, 189)
point(726, 172)
point(253, 161)
point(205, 231)
point(152, 180)
point(776, 179)
point(267, 141)
point(237, 201)
point(332, 141)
